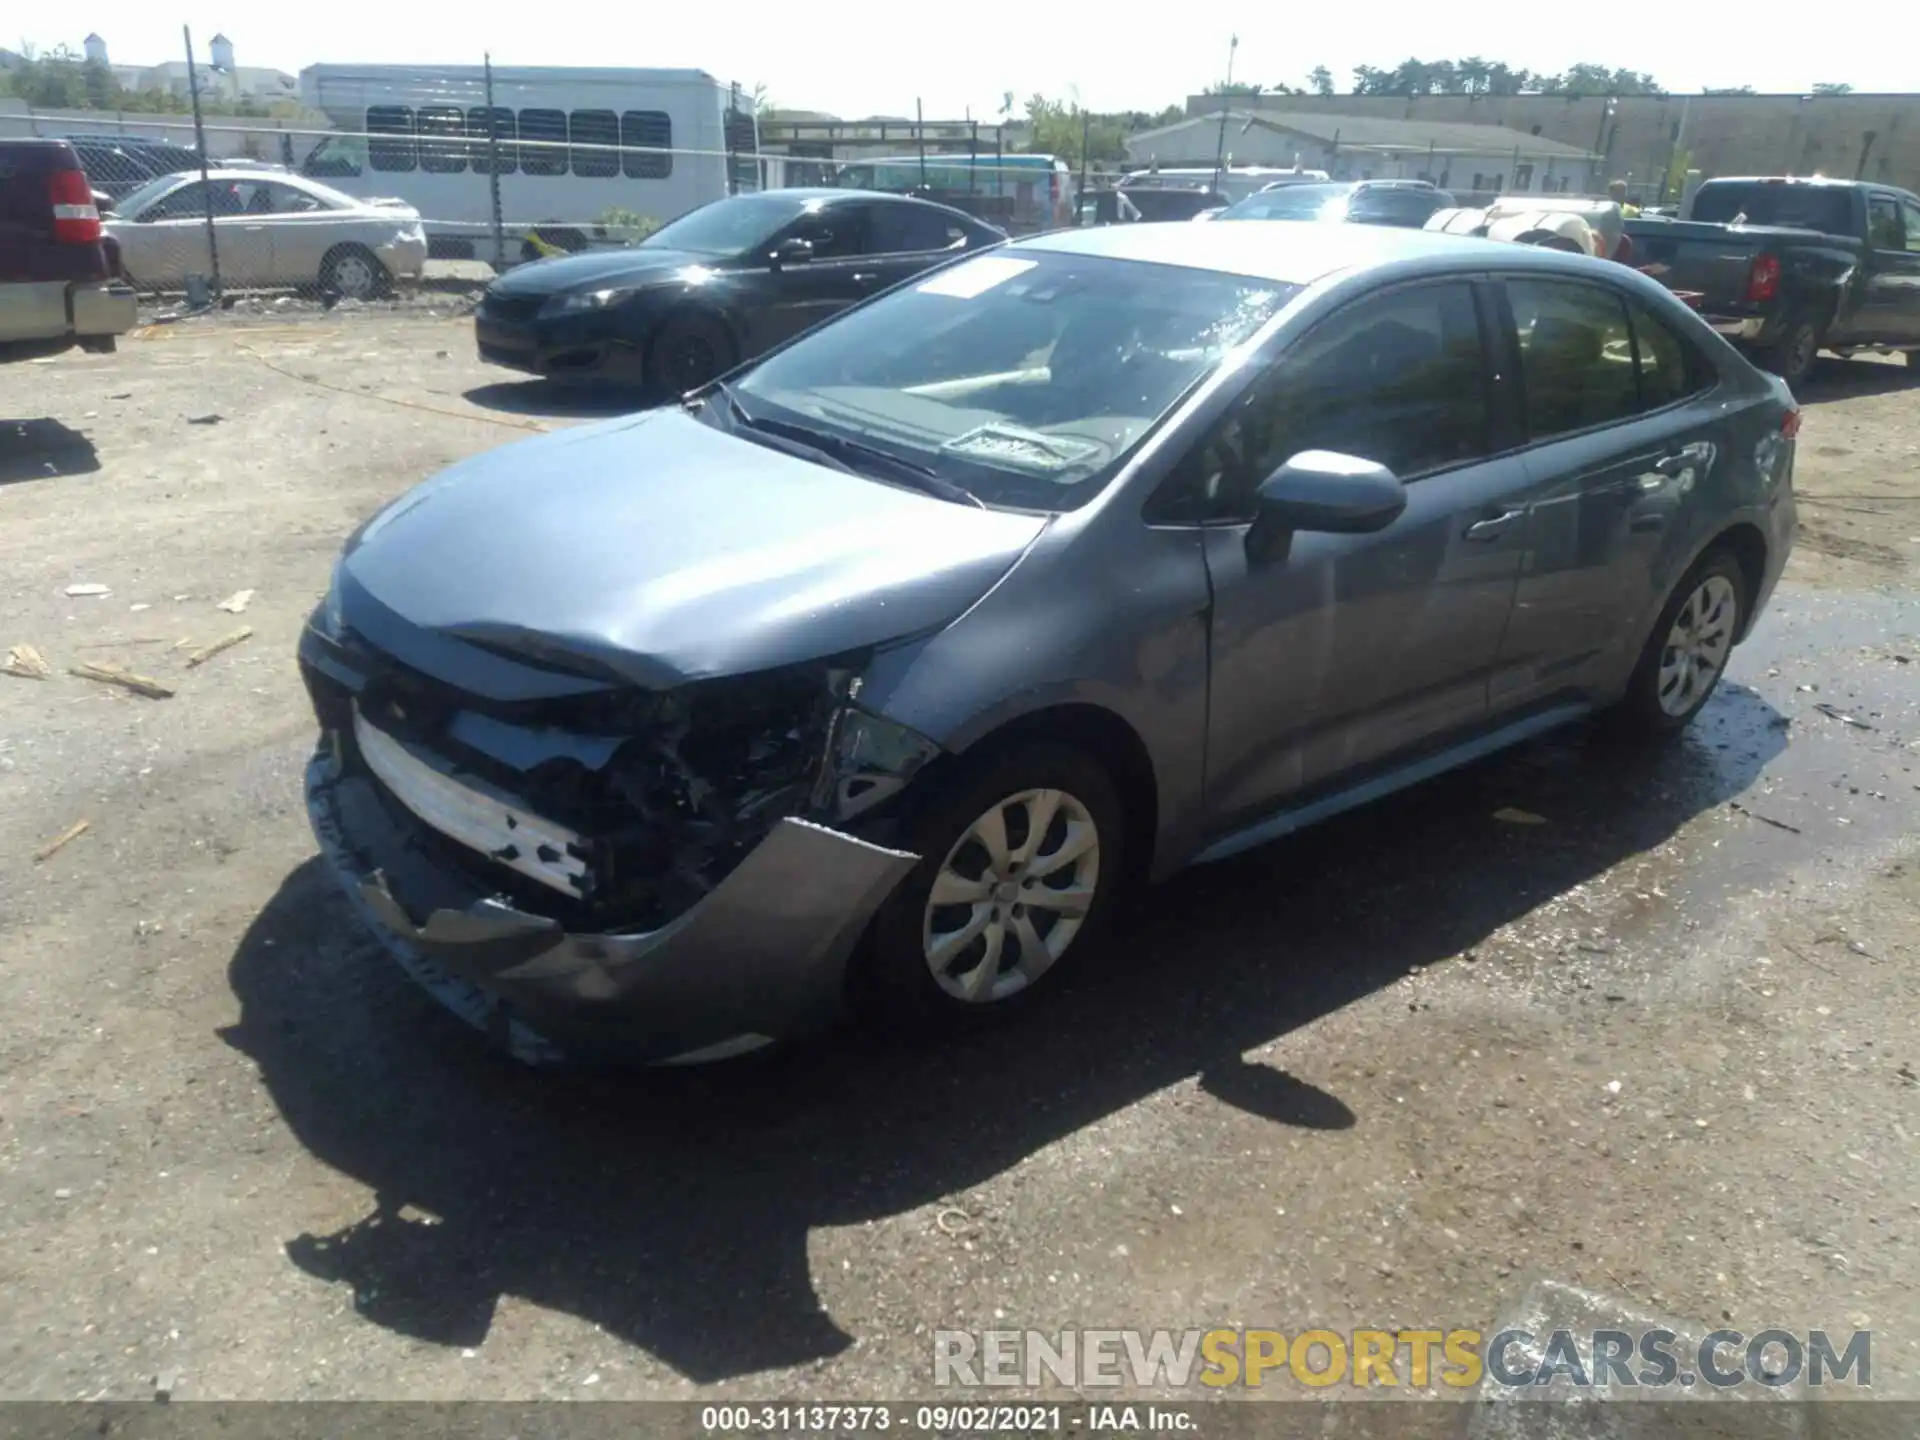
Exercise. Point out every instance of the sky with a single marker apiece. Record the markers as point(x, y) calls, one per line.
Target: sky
point(862, 59)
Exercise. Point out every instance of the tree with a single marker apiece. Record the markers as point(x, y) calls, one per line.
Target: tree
point(1833, 87)
point(62, 80)
point(1221, 87)
point(1598, 80)
point(1321, 79)
point(1062, 128)
point(1727, 90)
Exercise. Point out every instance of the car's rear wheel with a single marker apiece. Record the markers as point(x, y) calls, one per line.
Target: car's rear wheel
point(688, 351)
point(1688, 651)
point(1021, 857)
point(353, 272)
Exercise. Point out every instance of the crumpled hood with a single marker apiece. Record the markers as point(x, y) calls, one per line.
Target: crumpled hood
point(660, 550)
point(594, 270)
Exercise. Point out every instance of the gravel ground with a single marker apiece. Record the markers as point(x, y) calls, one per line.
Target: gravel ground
point(1390, 1072)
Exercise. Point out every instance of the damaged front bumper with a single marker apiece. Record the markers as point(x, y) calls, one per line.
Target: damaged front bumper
point(761, 956)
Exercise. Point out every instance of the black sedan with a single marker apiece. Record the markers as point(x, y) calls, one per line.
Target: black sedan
point(1408, 203)
point(719, 285)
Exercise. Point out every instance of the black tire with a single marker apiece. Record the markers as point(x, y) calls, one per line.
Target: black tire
point(1641, 711)
point(892, 981)
point(1792, 356)
point(354, 272)
point(687, 351)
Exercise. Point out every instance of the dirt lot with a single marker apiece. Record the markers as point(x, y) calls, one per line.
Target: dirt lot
point(1662, 1045)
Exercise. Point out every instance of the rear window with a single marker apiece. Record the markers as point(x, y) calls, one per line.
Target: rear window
point(1823, 208)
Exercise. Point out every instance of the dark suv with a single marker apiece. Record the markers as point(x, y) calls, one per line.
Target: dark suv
point(59, 272)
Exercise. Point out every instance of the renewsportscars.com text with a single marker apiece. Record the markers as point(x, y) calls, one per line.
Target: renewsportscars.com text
point(1455, 1358)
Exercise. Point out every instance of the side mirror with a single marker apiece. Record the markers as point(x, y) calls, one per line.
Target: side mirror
point(791, 251)
point(1325, 491)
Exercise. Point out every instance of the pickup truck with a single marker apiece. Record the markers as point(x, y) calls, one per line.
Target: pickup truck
point(1787, 267)
point(60, 281)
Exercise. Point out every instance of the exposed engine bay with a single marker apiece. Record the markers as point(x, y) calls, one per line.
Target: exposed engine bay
point(656, 796)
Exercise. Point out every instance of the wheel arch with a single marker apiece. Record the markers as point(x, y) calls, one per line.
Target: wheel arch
point(1108, 739)
point(671, 307)
point(1748, 545)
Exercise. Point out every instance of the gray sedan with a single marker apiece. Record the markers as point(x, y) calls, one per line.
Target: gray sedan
point(876, 673)
point(272, 228)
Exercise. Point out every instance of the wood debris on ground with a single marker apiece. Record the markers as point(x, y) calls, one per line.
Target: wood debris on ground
point(115, 675)
point(1507, 815)
point(62, 840)
point(225, 642)
point(27, 662)
point(236, 602)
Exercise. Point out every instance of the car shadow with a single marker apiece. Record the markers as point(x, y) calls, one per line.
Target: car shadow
point(672, 1207)
point(542, 397)
point(1835, 379)
point(43, 450)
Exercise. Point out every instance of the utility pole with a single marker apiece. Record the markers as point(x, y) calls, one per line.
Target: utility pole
point(1226, 105)
point(200, 142)
point(493, 170)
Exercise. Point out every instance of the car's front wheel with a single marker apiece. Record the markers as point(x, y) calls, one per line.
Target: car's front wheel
point(353, 272)
point(687, 351)
point(1021, 857)
point(1688, 651)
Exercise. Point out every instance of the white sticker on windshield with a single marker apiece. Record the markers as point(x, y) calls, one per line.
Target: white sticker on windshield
point(976, 277)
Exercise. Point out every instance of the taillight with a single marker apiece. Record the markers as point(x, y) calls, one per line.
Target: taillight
point(1790, 424)
point(1763, 279)
point(75, 219)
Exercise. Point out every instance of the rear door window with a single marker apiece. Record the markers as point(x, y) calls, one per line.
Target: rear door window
point(1884, 228)
point(907, 229)
point(1671, 366)
point(1576, 355)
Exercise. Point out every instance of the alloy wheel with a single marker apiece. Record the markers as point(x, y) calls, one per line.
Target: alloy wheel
point(353, 277)
point(1698, 645)
point(1011, 895)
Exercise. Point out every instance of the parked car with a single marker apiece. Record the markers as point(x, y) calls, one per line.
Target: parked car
point(114, 170)
point(59, 284)
point(720, 284)
point(1787, 267)
point(877, 670)
point(271, 230)
point(1130, 204)
point(161, 157)
point(1361, 202)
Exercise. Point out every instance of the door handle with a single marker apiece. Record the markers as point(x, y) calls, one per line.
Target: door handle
point(865, 277)
point(1493, 526)
point(1673, 464)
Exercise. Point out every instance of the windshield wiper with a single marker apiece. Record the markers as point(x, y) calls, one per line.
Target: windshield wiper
point(841, 449)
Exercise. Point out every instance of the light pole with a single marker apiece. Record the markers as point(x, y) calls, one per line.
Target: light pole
point(1226, 106)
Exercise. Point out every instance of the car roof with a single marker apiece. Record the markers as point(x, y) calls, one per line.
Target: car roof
point(1292, 252)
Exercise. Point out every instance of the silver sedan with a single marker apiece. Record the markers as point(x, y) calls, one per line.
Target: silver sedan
point(271, 228)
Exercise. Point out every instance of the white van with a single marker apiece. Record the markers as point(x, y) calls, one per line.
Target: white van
point(568, 144)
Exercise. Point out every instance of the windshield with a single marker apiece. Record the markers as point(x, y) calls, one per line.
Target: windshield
point(1291, 202)
point(1026, 377)
point(1796, 207)
point(728, 227)
point(134, 201)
